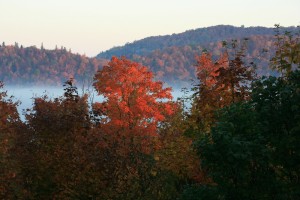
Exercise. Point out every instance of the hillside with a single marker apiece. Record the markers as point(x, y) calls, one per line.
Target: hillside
point(201, 36)
point(33, 66)
point(172, 57)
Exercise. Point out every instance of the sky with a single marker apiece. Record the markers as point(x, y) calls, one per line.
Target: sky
point(91, 26)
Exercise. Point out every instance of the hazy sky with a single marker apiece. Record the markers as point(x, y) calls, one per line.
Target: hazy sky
point(91, 26)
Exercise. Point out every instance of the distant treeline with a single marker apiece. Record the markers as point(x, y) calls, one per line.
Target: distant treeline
point(172, 57)
point(33, 66)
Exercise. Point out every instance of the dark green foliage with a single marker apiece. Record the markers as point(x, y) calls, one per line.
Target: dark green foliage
point(202, 192)
point(235, 154)
point(277, 103)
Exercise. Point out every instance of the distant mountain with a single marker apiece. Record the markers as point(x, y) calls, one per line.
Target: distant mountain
point(33, 66)
point(172, 57)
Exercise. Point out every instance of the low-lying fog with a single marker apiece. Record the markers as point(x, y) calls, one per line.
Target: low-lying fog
point(26, 95)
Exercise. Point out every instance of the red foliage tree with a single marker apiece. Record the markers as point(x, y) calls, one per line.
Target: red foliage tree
point(133, 103)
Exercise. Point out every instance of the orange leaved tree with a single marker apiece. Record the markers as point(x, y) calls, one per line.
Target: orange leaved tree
point(223, 81)
point(133, 103)
point(128, 117)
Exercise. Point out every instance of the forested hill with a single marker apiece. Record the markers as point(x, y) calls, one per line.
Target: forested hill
point(34, 66)
point(172, 57)
point(201, 36)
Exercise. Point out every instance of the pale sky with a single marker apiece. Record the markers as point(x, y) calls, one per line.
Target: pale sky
point(91, 26)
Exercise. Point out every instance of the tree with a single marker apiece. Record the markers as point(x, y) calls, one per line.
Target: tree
point(10, 183)
point(206, 99)
point(287, 54)
point(133, 103)
point(236, 157)
point(252, 151)
point(177, 154)
point(222, 82)
point(54, 152)
point(127, 121)
point(276, 101)
point(234, 79)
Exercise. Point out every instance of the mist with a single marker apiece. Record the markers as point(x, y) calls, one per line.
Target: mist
point(26, 95)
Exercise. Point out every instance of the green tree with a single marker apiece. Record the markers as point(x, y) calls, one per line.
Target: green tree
point(235, 155)
point(277, 102)
point(287, 55)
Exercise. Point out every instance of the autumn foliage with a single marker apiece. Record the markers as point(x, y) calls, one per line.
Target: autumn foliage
point(133, 103)
point(238, 140)
point(33, 66)
point(223, 81)
point(9, 165)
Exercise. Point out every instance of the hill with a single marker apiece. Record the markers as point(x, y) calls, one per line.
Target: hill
point(33, 66)
point(201, 36)
point(172, 57)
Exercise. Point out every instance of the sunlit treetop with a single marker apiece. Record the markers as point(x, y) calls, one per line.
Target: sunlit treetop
point(133, 101)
